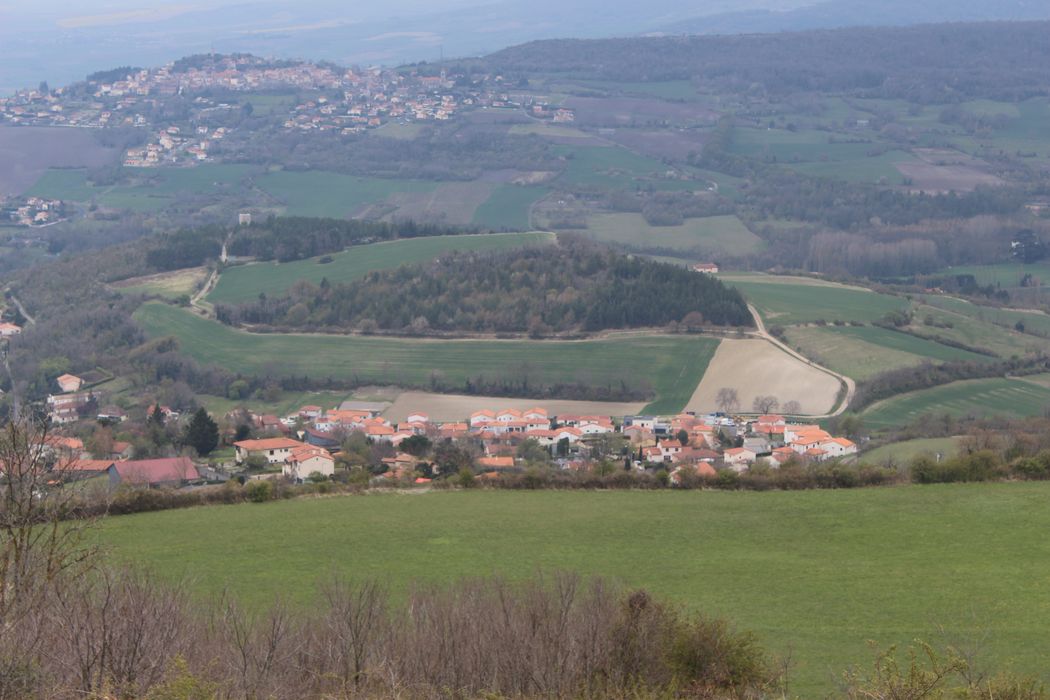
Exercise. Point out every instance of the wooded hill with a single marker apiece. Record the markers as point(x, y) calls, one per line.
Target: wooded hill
point(569, 288)
point(930, 63)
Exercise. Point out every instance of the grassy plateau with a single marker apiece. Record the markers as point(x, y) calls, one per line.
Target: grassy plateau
point(670, 366)
point(815, 574)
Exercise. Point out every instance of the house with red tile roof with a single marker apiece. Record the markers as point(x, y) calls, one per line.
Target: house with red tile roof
point(69, 383)
point(274, 450)
point(173, 471)
point(307, 460)
point(739, 458)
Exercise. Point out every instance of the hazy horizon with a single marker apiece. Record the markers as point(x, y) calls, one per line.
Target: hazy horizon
point(62, 42)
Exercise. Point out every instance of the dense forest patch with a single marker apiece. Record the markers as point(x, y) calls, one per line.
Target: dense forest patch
point(572, 287)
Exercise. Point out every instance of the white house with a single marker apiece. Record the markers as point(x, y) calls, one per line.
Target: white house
point(738, 458)
point(307, 460)
point(275, 450)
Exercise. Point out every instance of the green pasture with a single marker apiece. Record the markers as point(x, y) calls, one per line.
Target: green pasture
point(318, 193)
point(606, 166)
point(1032, 321)
point(900, 453)
point(1005, 275)
point(976, 327)
point(815, 574)
point(152, 189)
point(786, 301)
point(862, 352)
point(246, 282)
point(713, 235)
point(508, 207)
point(1013, 398)
point(880, 168)
point(668, 366)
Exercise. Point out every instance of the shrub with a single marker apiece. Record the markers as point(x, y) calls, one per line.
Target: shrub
point(259, 490)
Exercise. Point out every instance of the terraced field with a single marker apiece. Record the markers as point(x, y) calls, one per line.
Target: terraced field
point(246, 282)
point(1014, 398)
point(668, 366)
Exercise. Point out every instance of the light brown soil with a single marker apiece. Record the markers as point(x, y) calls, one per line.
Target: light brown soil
point(756, 367)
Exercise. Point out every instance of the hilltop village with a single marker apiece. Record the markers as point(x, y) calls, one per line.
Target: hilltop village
point(204, 90)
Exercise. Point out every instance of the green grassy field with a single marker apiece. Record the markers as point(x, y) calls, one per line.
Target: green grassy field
point(713, 234)
point(787, 301)
point(670, 366)
point(156, 188)
point(508, 207)
point(903, 452)
point(605, 167)
point(1005, 275)
point(246, 282)
point(815, 574)
point(317, 193)
point(1014, 398)
point(863, 352)
point(976, 327)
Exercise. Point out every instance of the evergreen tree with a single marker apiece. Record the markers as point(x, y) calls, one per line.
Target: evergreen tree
point(202, 433)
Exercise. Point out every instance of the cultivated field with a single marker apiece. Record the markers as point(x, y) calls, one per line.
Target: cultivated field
point(938, 171)
point(152, 189)
point(815, 574)
point(452, 203)
point(900, 453)
point(246, 282)
point(452, 407)
point(788, 301)
point(710, 235)
point(508, 207)
point(169, 285)
point(668, 366)
point(318, 193)
point(26, 153)
point(756, 367)
point(1013, 398)
point(862, 352)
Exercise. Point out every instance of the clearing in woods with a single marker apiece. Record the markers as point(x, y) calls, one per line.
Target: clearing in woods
point(168, 285)
point(668, 366)
point(756, 367)
point(247, 282)
point(815, 574)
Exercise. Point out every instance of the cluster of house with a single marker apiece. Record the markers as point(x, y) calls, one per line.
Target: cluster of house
point(702, 442)
point(32, 211)
point(74, 463)
point(171, 146)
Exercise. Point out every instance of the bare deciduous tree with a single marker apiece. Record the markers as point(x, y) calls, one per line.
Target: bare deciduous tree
point(792, 408)
point(765, 404)
point(728, 399)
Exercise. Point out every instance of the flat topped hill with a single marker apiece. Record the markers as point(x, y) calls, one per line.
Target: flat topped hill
point(566, 288)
